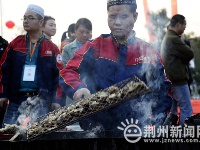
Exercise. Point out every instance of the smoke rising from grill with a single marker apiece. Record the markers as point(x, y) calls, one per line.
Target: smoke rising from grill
point(32, 108)
point(148, 108)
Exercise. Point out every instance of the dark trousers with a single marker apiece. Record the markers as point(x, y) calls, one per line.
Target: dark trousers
point(2, 112)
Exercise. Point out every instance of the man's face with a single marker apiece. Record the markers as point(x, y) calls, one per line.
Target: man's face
point(121, 21)
point(31, 22)
point(181, 28)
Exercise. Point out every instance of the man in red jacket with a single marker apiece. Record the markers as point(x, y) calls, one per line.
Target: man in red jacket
point(111, 58)
point(3, 45)
point(29, 71)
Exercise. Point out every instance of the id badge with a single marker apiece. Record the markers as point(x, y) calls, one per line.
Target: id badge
point(29, 73)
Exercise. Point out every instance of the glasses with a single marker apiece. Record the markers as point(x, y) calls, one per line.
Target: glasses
point(29, 19)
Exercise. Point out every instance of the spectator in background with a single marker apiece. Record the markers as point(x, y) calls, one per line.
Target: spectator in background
point(83, 32)
point(3, 46)
point(29, 69)
point(114, 57)
point(49, 27)
point(176, 56)
point(71, 36)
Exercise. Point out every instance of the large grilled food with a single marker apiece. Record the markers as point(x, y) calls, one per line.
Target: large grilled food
point(9, 129)
point(99, 101)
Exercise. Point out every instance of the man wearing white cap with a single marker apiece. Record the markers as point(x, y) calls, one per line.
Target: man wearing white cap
point(37, 9)
point(29, 69)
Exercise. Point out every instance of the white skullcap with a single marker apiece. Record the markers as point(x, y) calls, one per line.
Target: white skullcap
point(37, 9)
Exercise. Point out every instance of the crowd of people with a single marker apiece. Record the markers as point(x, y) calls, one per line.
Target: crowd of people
point(33, 66)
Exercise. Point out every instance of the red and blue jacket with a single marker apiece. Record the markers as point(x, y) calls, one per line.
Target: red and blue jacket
point(104, 62)
point(12, 62)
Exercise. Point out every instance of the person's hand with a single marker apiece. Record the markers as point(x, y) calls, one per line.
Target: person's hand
point(3, 103)
point(55, 106)
point(81, 93)
point(182, 37)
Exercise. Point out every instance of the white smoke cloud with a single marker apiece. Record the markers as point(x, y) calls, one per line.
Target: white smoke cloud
point(32, 108)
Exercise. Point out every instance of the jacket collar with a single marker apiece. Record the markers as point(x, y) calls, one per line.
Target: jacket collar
point(172, 32)
point(40, 39)
point(74, 44)
point(130, 39)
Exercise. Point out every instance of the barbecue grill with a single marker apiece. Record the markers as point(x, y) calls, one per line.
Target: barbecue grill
point(102, 100)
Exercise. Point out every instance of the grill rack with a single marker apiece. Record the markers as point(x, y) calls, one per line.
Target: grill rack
point(62, 117)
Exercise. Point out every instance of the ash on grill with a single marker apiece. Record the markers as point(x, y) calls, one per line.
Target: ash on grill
point(109, 97)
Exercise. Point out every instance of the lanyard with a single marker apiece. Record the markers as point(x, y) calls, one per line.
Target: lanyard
point(32, 50)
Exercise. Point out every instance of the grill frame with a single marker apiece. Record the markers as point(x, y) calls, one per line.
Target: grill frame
point(81, 116)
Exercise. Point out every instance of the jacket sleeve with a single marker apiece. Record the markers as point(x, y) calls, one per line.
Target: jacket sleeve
point(181, 50)
point(65, 55)
point(5, 71)
point(58, 97)
point(70, 76)
point(57, 66)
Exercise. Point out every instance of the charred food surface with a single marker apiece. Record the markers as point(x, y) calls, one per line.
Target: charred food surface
point(103, 99)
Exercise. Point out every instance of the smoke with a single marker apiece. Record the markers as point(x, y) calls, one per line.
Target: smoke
point(144, 109)
point(95, 132)
point(150, 107)
point(31, 109)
